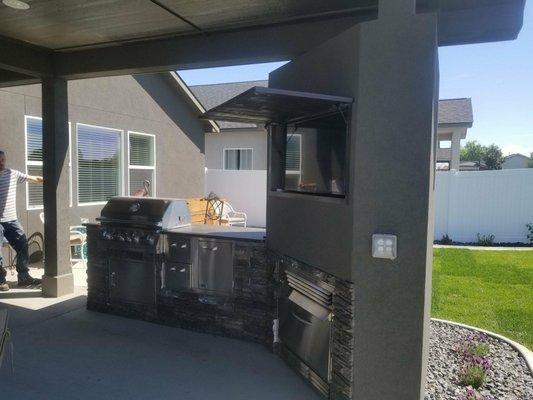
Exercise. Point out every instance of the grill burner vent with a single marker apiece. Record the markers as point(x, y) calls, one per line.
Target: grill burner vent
point(318, 293)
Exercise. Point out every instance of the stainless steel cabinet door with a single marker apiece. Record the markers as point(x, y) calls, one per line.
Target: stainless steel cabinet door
point(132, 281)
point(215, 265)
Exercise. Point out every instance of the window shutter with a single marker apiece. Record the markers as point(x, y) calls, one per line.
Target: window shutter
point(231, 159)
point(99, 163)
point(292, 158)
point(142, 150)
point(34, 136)
point(35, 191)
point(238, 159)
point(245, 159)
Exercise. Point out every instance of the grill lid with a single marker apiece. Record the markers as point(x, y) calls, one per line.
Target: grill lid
point(156, 212)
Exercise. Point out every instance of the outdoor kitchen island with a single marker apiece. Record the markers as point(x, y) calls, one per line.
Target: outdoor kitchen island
point(146, 261)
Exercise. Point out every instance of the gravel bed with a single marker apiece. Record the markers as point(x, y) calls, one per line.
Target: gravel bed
point(508, 379)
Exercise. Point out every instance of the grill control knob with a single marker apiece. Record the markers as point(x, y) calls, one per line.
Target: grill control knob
point(149, 240)
point(119, 237)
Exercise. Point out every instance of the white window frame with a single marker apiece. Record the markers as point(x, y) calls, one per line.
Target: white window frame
point(142, 167)
point(121, 168)
point(236, 148)
point(40, 163)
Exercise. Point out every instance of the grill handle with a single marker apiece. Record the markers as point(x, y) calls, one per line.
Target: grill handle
point(113, 279)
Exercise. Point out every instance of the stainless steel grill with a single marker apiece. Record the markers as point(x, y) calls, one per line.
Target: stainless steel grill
point(148, 212)
point(129, 237)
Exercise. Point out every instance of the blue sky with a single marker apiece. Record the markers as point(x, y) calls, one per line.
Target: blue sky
point(497, 76)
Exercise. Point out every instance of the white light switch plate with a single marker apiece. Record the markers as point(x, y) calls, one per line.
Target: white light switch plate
point(384, 246)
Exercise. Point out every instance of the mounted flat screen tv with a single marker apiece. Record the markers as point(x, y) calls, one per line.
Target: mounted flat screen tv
point(315, 157)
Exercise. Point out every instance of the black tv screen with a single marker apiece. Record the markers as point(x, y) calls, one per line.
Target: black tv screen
point(315, 156)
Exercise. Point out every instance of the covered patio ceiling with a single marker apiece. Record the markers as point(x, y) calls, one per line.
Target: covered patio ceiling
point(89, 38)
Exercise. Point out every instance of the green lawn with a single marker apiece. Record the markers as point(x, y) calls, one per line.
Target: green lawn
point(487, 289)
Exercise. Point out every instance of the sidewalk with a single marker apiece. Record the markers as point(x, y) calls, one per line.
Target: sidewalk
point(492, 248)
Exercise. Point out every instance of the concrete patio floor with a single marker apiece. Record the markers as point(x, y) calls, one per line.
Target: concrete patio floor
point(63, 351)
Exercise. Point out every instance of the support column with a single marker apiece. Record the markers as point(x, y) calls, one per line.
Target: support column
point(57, 279)
point(456, 150)
point(395, 126)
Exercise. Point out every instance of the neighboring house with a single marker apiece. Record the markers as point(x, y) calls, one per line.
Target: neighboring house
point(517, 160)
point(244, 146)
point(455, 117)
point(123, 130)
point(472, 166)
point(241, 146)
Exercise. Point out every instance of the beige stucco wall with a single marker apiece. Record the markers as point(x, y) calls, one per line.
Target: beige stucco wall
point(255, 139)
point(120, 103)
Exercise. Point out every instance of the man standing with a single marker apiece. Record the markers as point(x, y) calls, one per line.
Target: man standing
point(10, 228)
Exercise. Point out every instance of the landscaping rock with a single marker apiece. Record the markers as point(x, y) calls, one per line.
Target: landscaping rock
point(508, 379)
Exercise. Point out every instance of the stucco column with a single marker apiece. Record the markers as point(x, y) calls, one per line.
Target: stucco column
point(456, 150)
point(57, 279)
point(395, 124)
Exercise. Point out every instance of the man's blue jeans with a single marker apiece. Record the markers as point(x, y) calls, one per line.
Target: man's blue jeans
point(16, 237)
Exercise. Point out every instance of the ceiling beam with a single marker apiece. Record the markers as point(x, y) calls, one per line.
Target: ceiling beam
point(242, 46)
point(10, 78)
point(25, 59)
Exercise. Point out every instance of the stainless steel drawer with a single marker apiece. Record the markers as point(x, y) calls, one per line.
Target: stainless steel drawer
point(215, 265)
point(305, 331)
point(179, 249)
point(176, 276)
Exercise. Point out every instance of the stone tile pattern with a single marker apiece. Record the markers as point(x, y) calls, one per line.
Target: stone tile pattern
point(247, 313)
point(342, 330)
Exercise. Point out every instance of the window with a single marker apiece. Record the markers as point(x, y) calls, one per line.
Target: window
point(141, 166)
point(293, 160)
point(237, 159)
point(443, 165)
point(314, 157)
point(445, 144)
point(99, 164)
point(34, 162)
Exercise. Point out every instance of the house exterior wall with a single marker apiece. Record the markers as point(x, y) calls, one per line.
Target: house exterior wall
point(516, 161)
point(120, 103)
point(215, 143)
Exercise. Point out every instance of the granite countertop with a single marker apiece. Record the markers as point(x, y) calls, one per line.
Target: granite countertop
point(222, 232)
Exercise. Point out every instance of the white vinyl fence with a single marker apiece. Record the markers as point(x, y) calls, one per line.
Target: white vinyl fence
point(244, 190)
point(496, 203)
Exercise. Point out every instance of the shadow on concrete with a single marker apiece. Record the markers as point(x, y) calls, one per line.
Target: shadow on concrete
point(20, 295)
point(63, 351)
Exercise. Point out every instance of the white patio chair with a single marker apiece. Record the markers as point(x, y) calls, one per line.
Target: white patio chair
point(78, 237)
point(233, 217)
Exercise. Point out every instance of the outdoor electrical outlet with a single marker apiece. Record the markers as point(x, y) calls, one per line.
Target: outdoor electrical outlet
point(384, 246)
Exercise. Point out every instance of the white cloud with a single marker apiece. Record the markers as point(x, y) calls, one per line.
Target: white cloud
point(517, 148)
